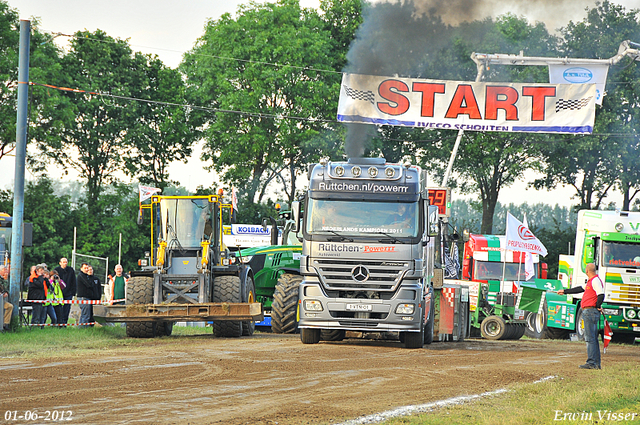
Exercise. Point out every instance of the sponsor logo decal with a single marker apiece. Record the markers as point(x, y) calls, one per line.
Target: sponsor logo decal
point(577, 75)
point(525, 233)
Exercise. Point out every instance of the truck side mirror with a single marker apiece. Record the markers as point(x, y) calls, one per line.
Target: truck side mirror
point(295, 210)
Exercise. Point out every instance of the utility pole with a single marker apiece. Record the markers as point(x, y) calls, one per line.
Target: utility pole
point(21, 154)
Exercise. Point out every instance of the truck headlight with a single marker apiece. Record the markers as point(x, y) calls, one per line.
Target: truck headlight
point(405, 308)
point(631, 314)
point(611, 311)
point(312, 305)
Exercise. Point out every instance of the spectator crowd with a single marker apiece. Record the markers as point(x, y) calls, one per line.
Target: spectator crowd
point(49, 289)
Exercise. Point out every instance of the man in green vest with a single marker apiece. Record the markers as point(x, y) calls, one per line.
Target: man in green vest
point(117, 286)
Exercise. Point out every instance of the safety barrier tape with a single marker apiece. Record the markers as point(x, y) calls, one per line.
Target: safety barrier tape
point(61, 301)
point(62, 324)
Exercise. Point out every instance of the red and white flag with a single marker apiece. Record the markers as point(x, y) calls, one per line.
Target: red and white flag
point(520, 238)
point(607, 334)
point(529, 270)
point(147, 192)
point(234, 199)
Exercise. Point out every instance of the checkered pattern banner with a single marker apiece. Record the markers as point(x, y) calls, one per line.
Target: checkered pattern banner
point(359, 94)
point(573, 105)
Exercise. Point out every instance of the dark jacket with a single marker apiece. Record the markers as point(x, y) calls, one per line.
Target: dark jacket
point(97, 288)
point(68, 276)
point(85, 286)
point(36, 289)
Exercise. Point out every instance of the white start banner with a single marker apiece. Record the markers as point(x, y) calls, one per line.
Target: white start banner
point(587, 74)
point(454, 105)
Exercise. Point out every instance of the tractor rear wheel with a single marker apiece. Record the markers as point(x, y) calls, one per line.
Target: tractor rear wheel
point(284, 309)
point(227, 289)
point(249, 326)
point(493, 327)
point(140, 291)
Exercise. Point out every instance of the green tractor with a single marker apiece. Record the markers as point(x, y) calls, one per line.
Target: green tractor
point(277, 275)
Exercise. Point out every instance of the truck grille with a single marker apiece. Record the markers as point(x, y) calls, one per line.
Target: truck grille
point(361, 275)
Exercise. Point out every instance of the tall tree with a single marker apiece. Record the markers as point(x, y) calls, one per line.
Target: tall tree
point(257, 72)
point(166, 130)
point(593, 165)
point(43, 64)
point(95, 134)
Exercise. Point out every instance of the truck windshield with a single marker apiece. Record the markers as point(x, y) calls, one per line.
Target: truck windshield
point(361, 217)
point(492, 270)
point(621, 254)
point(183, 220)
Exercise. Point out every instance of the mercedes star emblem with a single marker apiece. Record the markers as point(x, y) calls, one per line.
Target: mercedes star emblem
point(360, 273)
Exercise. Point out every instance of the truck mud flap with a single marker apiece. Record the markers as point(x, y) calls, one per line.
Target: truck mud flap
point(179, 312)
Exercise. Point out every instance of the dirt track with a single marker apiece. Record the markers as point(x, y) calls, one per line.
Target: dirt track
point(275, 379)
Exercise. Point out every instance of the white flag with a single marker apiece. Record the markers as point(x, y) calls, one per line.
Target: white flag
point(587, 74)
point(520, 238)
point(234, 199)
point(147, 192)
point(529, 270)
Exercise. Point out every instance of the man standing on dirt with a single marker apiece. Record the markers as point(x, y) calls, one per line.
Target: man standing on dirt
point(68, 276)
point(591, 306)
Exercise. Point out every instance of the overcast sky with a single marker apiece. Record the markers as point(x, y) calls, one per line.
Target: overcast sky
point(170, 28)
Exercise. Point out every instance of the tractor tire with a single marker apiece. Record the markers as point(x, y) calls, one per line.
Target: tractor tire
point(493, 328)
point(249, 326)
point(227, 289)
point(284, 309)
point(518, 330)
point(165, 328)
point(310, 336)
point(140, 291)
point(537, 327)
point(332, 334)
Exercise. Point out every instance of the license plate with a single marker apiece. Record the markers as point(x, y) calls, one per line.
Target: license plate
point(359, 307)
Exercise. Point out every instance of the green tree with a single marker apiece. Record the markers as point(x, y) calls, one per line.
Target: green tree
point(595, 164)
point(165, 131)
point(256, 71)
point(43, 64)
point(92, 133)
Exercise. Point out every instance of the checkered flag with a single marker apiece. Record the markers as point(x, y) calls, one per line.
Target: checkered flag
point(571, 104)
point(359, 94)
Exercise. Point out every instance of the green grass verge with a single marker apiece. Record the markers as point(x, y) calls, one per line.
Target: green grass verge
point(590, 397)
point(71, 342)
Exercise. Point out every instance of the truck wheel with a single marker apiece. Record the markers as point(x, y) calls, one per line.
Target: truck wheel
point(536, 325)
point(624, 338)
point(285, 304)
point(415, 339)
point(249, 326)
point(428, 330)
point(310, 336)
point(579, 324)
point(332, 334)
point(140, 291)
point(493, 327)
point(227, 289)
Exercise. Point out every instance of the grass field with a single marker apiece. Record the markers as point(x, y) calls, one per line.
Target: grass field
point(608, 396)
